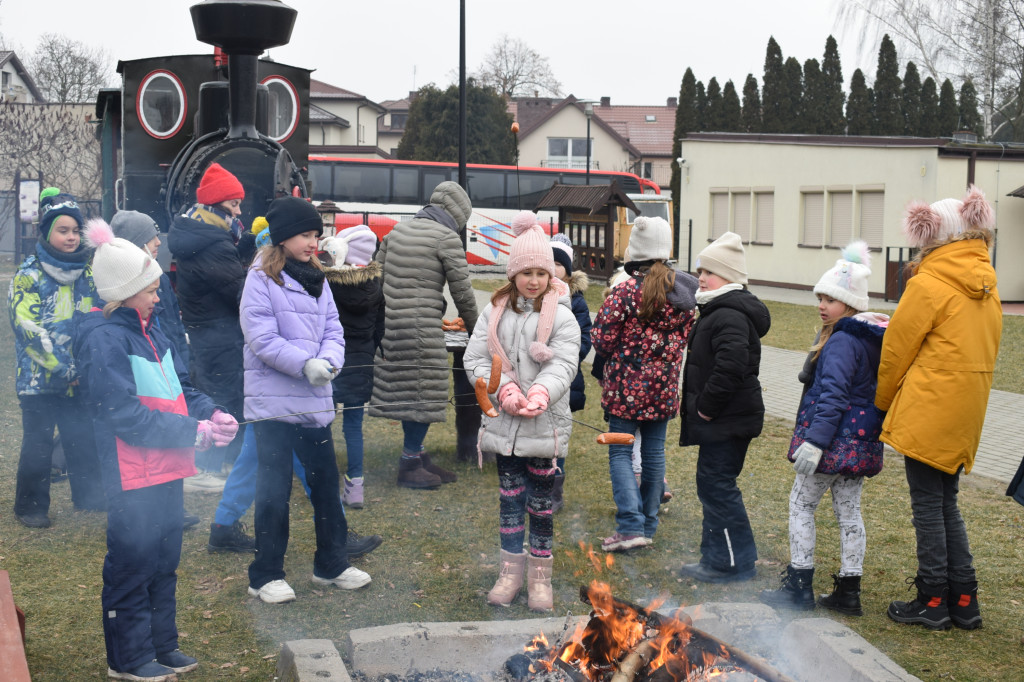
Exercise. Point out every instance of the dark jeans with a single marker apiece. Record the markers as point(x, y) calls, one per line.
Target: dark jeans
point(39, 415)
point(140, 574)
point(413, 435)
point(943, 552)
point(727, 542)
point(315, 449)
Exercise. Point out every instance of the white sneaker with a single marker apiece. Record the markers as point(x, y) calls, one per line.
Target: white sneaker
point(352, 578)
point(274, 592)
point(204, 482)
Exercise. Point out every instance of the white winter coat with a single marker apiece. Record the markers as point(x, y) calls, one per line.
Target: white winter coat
point(547, 434)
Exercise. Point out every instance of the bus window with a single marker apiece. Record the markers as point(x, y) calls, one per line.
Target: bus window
point(369, 183)
point(405, 186)
point(432, 178)
point(530, 186)
point(320, 179)
point(487, 188)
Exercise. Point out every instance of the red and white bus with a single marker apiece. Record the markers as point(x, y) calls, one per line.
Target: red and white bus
point(381, 192)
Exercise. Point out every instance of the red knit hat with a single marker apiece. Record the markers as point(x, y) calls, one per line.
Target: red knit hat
point(217, 186)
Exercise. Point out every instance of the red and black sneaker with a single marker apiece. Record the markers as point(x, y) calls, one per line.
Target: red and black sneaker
point(928, 609)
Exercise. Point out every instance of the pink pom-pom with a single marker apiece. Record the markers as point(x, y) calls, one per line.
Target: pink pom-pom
point(977, 212)
point(541, 352)
point(857, 252)
point(921, 224)
point(97, 232)
point(523, 221)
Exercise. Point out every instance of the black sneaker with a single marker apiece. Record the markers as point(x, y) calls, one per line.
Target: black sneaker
point(358, 545)
point(177, 661)
point(190, 520)
point(929, 608)
point(230, 539)
point(33, 520)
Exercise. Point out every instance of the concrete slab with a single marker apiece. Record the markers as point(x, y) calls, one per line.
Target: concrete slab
point(822, 649)
point(310, 660)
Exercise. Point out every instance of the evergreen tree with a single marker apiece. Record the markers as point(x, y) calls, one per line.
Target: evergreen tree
point(714, 106)
point(859, 107)
point(771, 90)
point(970, 119)
point(930, 109)
point(432, 135)
point(811, 121)
point(832, 97)
point(949, 112)
point(702, 107)
point(686, 122)
point(751, 115)
point(911, 101)
point(732, 118)
point(888, 119)
point(791, 103)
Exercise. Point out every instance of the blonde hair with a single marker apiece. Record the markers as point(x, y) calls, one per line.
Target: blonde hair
point(110, 307)
point(273, 258)
point(827, 329)
point(513, 297)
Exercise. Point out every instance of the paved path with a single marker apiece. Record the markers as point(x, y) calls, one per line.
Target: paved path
point(998, 454)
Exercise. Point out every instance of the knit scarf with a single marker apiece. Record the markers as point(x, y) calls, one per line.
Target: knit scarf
point(216, 216)
point(708, 296)
point(63, 267)
point(308, 275)
point(539, 349)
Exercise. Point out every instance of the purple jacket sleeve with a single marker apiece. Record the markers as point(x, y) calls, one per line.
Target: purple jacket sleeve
point(332, 345)
point(260, 328)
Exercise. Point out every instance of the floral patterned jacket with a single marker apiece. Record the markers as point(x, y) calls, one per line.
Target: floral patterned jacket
point(643, 357)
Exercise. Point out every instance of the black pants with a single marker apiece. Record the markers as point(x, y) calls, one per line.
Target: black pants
point(943, 551)
point(727, 541)
point(39, 415)
point(315, 449)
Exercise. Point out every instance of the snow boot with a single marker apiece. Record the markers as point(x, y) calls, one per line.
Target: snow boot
point(411, 474)
point(538, 579)
point(845, 597)
point(963, 605)
point(796, 591)
point(557, 492)
point(352, 493)
point(445, 475)
point(510, 579)
point(929, 608)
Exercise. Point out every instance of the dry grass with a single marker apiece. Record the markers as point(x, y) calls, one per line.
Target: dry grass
point(439, 559)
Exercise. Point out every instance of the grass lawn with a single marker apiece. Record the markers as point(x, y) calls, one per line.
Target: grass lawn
point(440, 551)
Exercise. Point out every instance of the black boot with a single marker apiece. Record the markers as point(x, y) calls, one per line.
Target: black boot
point(929, 608)
point(963, 605)
point(557, 489)
point(467, 430)
point(359, 545)
point(796, 591)
point(230, 539)
point(845, 597)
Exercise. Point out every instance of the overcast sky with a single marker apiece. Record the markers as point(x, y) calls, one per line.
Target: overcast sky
point(633, 52)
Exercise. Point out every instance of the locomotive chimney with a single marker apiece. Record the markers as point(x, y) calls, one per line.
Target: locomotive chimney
point(243, 29)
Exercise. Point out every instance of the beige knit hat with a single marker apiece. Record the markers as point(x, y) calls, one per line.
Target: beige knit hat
point(120, 269)
point(724, 257)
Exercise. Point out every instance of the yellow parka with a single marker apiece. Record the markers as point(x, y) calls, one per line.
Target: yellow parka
point(938, 355)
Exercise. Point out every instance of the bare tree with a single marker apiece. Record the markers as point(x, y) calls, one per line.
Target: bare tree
point(68, 70)
point(515, 69)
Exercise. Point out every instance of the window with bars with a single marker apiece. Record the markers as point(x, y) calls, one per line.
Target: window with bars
point(840, 219)
point(719, 214)
point(567, 152)
point(741, 216)
point(871, 214)
point(764, 217)
point(813, 218)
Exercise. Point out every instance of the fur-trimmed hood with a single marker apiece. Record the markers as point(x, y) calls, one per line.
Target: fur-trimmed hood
point(578, 282)
point(351, 275)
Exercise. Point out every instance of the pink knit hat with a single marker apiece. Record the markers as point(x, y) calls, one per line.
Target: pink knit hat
point(531, 247)
point(924, 224)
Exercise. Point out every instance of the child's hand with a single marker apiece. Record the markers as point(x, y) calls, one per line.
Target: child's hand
point(225, 427)
point(512, 399)
point(537, 401)
point(318, 371)
point(806, 458)
point(204, 435)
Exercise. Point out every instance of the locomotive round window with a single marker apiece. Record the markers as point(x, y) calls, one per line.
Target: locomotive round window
point(283, 108)
point(161, 104)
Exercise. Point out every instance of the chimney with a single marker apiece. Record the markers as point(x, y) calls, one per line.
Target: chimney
point(606, 101)
point(672, 102)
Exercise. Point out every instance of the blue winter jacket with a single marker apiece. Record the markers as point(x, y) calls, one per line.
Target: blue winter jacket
point(838, 413)
point(578, 283)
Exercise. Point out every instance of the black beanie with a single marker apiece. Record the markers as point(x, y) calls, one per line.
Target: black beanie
point(289, 216)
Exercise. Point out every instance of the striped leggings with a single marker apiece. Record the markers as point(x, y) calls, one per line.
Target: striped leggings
point(525, 485)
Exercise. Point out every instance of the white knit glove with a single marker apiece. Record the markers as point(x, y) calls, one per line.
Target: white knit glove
point(318, 371)
point(806, 458)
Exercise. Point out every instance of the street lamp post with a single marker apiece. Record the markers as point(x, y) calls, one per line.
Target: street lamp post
point(588, 110)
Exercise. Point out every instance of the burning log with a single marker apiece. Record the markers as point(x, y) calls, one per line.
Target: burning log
point(636, 661)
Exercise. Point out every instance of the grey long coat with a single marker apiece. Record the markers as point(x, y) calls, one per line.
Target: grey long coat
point(418, 257)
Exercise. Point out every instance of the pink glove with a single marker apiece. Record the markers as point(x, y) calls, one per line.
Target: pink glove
point(537, 401)
point(204, 435)
point(224, 428)
point(511, 398)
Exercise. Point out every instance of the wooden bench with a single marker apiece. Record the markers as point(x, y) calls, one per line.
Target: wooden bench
point(12, 635)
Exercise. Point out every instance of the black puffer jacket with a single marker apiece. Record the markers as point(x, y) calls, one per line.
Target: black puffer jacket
point(210, 272)
point(359, 297)
point(720, 377)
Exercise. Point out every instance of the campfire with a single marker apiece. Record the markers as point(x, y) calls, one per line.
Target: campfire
point(625, 642)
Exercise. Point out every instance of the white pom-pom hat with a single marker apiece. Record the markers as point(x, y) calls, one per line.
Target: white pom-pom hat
point(531, 247)
point(120, 269)
point(946, 218)
point(847, 280)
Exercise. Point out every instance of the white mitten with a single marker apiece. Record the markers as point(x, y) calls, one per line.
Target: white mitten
point(318, 371)
point(806, 458)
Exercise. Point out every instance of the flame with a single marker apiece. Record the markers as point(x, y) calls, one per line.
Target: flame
point(538, 643)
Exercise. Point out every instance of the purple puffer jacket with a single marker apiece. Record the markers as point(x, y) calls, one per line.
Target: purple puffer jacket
point(284, 327)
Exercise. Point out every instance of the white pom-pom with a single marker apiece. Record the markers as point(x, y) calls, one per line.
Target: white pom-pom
point(523, 221)
point(640, 224)
point(857, 252)
point(97, 232)
point(541, 352)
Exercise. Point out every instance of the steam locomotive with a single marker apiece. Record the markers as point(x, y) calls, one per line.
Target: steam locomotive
point(175, 115)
